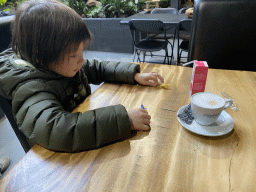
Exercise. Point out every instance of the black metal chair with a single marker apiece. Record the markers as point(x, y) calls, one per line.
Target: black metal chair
point(183, 32)
point(182, 10)
point(6, 106)
point(149, 44)
point(223, 34)
point(169, 33)
point(5, 32)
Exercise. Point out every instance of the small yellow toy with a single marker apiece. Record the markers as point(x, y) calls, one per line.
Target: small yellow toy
point(164, 85)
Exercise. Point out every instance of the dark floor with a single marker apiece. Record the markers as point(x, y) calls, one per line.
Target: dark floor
point(125, 57)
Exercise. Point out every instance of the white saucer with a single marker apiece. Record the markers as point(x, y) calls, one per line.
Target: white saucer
point(222, 126)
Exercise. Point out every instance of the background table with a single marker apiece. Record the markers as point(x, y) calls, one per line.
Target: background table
point(169, 19)
point(168, 158)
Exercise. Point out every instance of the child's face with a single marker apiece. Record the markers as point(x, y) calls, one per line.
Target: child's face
point(72, 63)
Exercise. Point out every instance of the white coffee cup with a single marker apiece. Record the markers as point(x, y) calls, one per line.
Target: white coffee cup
point(207, 107)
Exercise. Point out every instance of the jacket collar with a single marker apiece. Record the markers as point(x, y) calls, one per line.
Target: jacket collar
point(20, 63)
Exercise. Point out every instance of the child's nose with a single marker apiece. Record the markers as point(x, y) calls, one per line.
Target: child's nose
point(81, 60)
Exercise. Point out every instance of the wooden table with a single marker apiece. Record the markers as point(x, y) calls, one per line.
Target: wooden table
point(168, 158)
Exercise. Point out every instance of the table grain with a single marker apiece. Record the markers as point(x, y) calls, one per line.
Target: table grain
point(168, 157)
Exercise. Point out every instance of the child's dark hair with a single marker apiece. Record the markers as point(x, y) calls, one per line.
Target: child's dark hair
point(45, 30)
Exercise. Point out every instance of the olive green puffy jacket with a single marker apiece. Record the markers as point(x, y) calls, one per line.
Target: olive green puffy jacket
point(40, 97)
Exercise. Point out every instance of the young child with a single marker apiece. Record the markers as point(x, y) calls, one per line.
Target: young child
point(46, 77)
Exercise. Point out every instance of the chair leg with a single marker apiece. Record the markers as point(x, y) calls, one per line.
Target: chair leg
point(178, 52)
point(166, 55)
point(144, 53)
point(139, 56)
point(172, 49)
point(180, 56)
point(135, 52)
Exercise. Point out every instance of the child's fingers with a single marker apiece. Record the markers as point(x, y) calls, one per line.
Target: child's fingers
point(146, 121)
point(152, 80)
point(146, 116)
point(158, 76)
point(153, 83)
point(145, 128)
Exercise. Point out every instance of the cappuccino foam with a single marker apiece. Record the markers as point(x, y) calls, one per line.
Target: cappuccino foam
point(208, 100)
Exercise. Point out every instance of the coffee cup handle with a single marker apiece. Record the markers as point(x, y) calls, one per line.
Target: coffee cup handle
point(228, 103)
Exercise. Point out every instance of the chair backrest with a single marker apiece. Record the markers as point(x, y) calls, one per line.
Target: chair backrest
point(164, 10)
point(185, 24)
point(223, 32)
point(182, 10)
point(145, 26)
point(5, 104)
point(5, 32)
point(184, 29)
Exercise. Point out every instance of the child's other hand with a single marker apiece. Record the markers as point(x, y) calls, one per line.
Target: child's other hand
point(140, 119)
point(148, 78)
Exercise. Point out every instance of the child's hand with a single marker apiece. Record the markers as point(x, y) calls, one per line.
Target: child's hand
point(148, 78)
point(140, 119)
point(189, 12)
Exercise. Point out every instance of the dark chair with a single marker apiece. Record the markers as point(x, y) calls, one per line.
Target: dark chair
point(149, 44)
point(5, 32)
point(164, 10)
point(169, 34)
point(183, 32)
point(182, 10)
point(223, 34)
point(5, 104)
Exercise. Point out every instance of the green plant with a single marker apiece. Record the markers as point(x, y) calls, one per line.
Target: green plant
point(78, 5)
point(94, 11)
point(164, 3)
point(2, 2)
point(109, 8)
point(14, 3)
point(188, 4)
point(112, 8)
point(7, 9)
point(116, 8)
point(131, 8)
point(141, 4)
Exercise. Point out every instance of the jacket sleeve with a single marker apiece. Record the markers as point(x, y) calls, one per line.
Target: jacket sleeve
point(110, 71)
point(42, 119)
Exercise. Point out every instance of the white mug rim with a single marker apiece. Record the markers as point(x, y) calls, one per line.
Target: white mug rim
point(222, 106)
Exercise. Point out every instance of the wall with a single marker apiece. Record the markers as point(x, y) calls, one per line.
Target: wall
point(109, 35)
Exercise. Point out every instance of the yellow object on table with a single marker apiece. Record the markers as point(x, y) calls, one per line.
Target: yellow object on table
point(164, 85)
